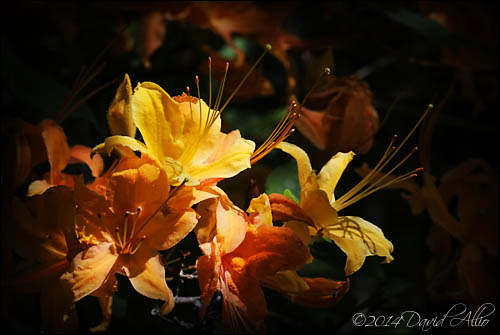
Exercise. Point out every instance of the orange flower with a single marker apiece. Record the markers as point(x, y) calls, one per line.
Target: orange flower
point(340, 116)
point(44, 236)
point(47, 141)
point(123, 230)
point(244, 252)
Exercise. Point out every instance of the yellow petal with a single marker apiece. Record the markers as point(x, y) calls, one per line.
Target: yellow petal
point(302, 230)
point(303, 163)
point(331, 172)
point(118, 143)
point(89, 269)
point(232, 156)
point(358, 239)
point(260, 211)
point(159, 120)
point(120, 112)
point(317, 205)
point(150, 282)
point(201, 131)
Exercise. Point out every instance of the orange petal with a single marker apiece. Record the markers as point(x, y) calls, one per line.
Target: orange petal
point(57, 310)
point(322, 292)
point(268, 250)
point(207, 267)
point(57, 146)
point(244, 305)
point(149, 280)
point(82, 153)
point(89, 269)
point(231, 224)
point(285, 209)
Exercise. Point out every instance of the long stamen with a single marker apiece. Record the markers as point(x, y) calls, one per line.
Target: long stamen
point(266, 50)
point(353, 196)
point(284, 127)
point(199, 97)
point(125, 224)
point(138, 245)
point(280, 132)
point(139, 209)
point(209, 83)
point(120, 242)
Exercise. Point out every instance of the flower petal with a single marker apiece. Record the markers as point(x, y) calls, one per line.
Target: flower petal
point(322, 292)
point(57, 147)
point(120, 112)
point(260, 211)
point(149, 280)
point(267, 250)
point(303, 163)
point(163, 232)
point(331, 172)
point(118, 144)
point(208, 267)
point(89, 269)
point(358, 239)
point(244, 305)
point(288, 282)
point(232, 155)
point(159, 120)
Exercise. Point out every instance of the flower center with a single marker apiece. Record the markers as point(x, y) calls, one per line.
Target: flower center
point(214, 111)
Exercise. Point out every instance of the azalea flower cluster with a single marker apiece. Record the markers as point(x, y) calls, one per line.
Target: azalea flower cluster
point(169, 154)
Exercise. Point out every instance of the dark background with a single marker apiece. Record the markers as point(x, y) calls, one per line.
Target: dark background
point(45, 45)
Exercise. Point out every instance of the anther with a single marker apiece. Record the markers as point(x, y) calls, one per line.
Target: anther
point(414, 150)
point(328, 71)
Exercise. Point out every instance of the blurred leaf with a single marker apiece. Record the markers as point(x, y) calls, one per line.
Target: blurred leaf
point(421, 24)
point(229, 53)
point(253, 125)
point(284, 177)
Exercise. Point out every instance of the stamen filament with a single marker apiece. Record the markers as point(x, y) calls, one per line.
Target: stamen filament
point(391, 151)
point(135, 222)
point(266, 50)
point(199, 97)
point(120, 243)
point(138, 245)
point(125, 228)
point(280, 132)
point(360, 196)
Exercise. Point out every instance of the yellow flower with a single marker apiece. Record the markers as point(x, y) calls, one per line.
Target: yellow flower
point(317, 212)
point(181, 133)
point(124, 228)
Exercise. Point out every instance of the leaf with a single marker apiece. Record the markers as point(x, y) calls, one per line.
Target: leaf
point(289, 194)
point(283, 178)
point(421, 24)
